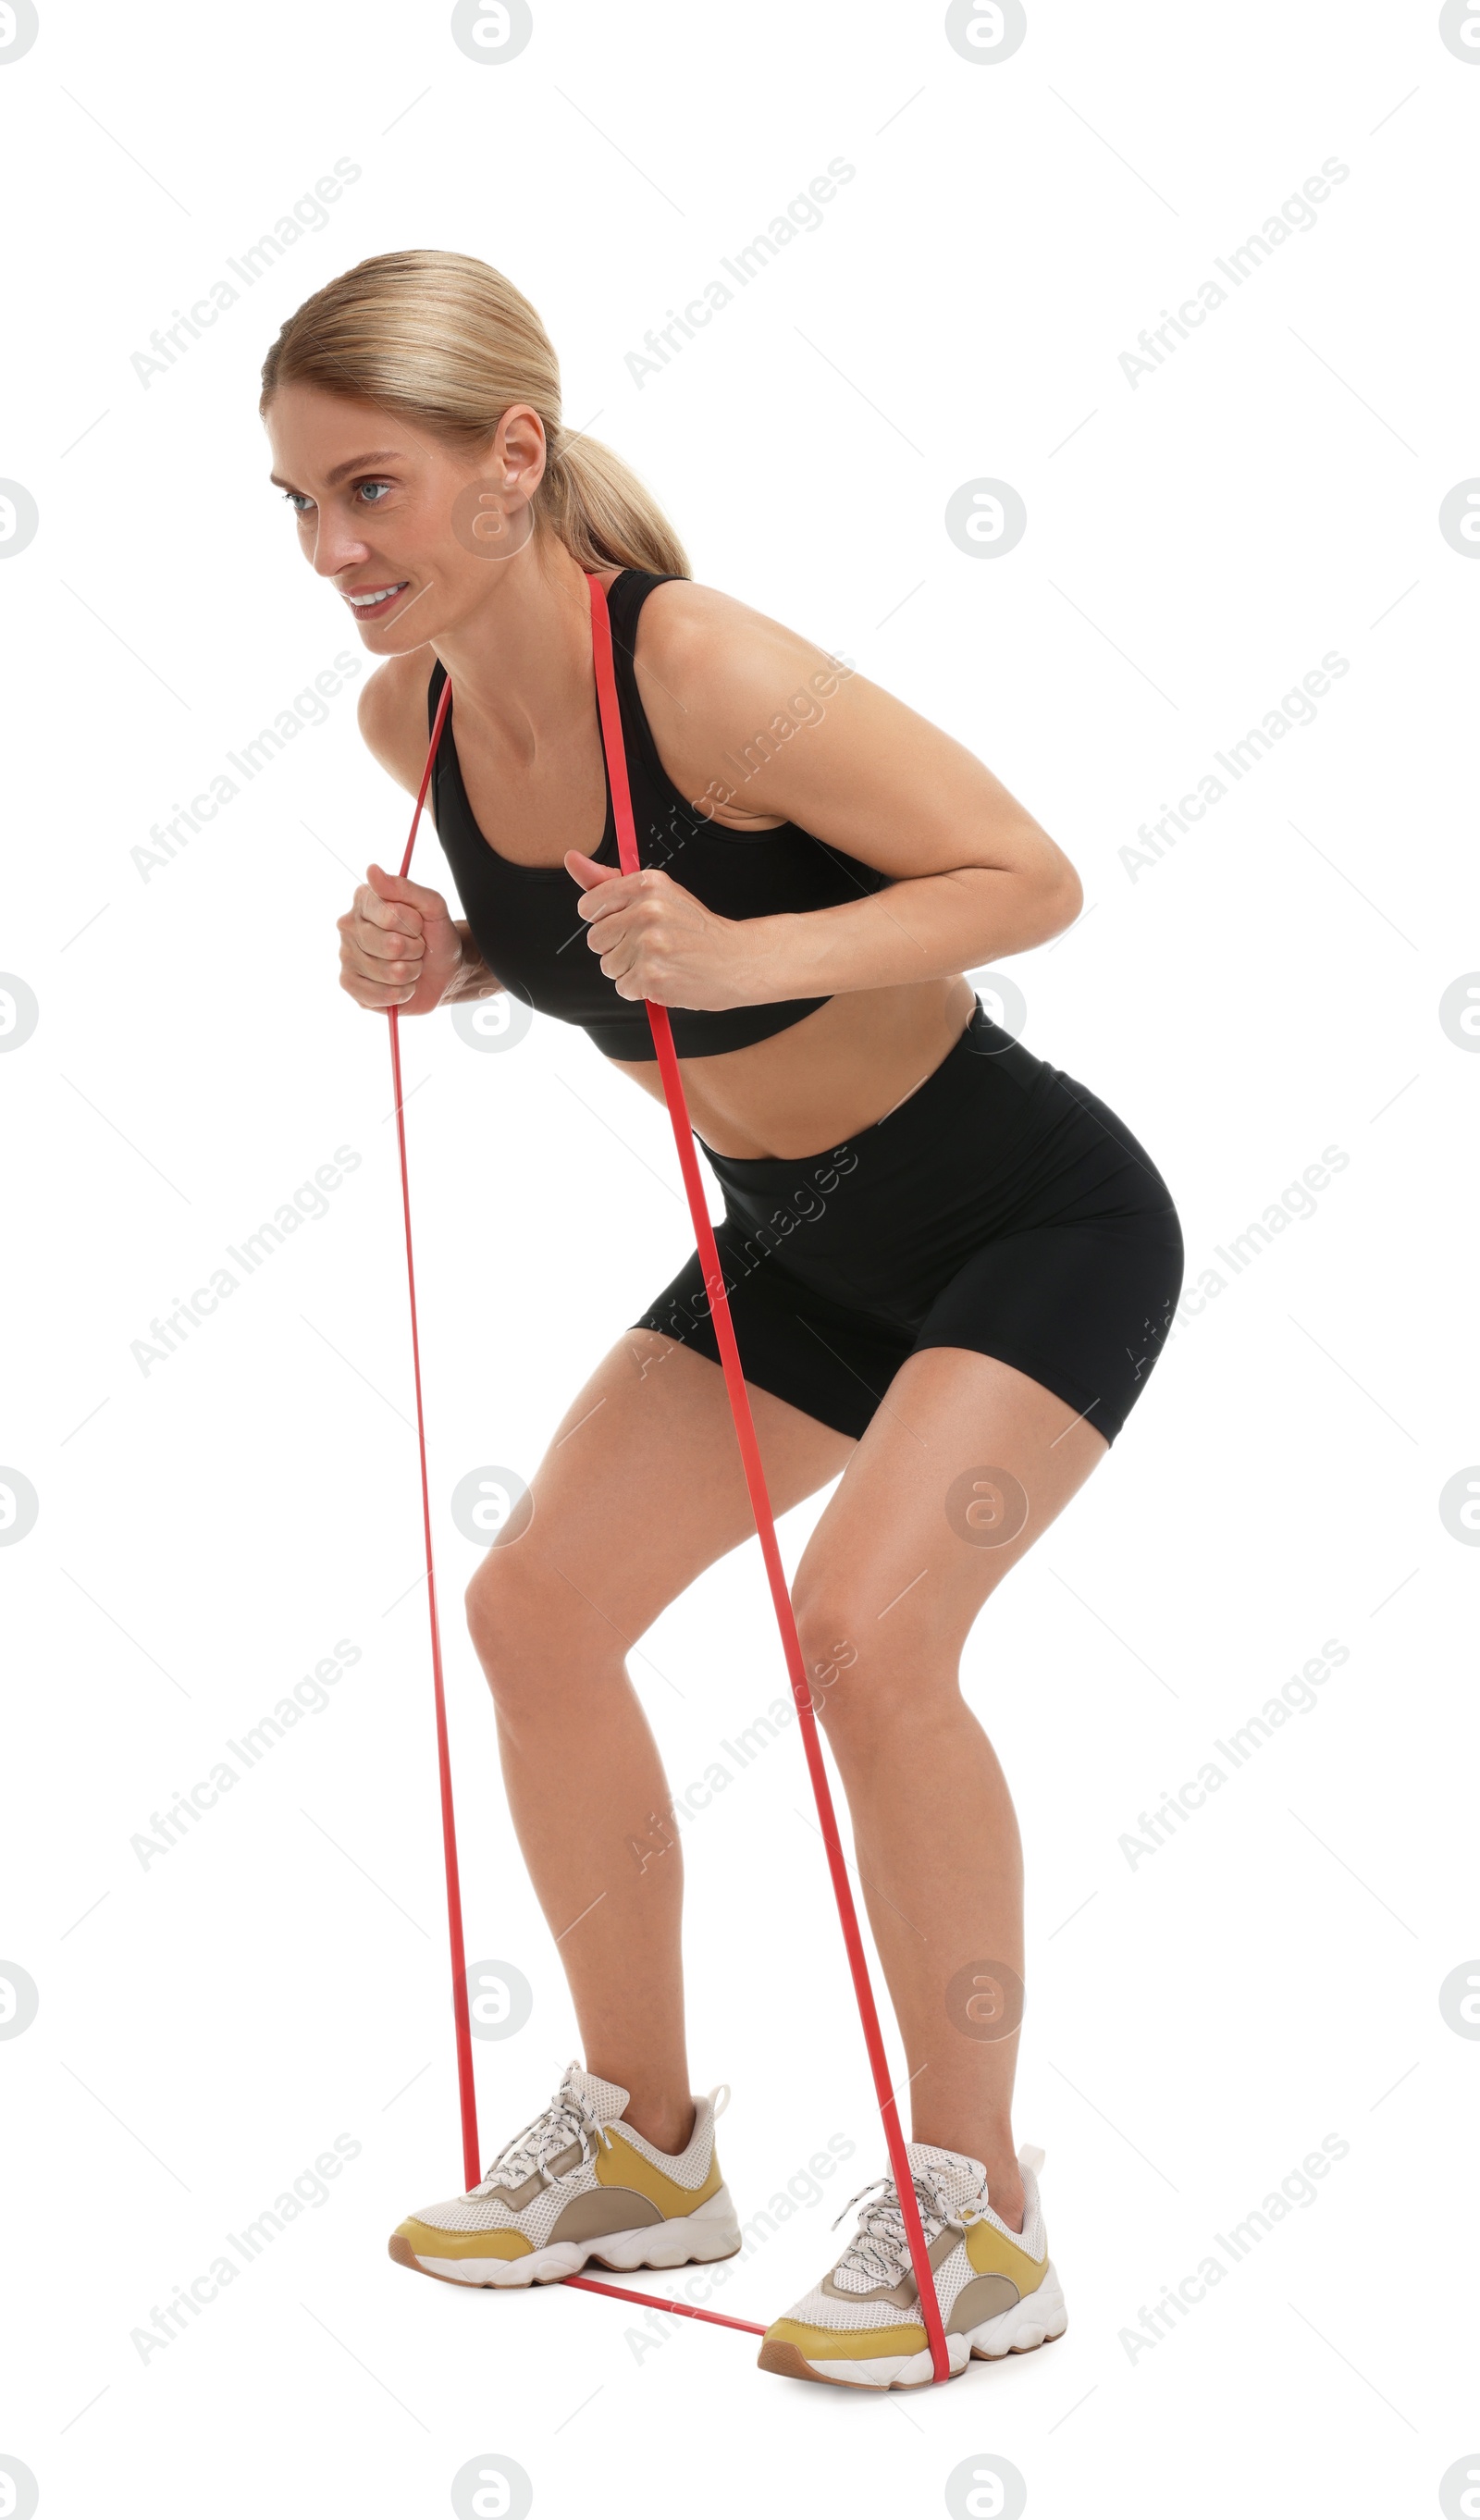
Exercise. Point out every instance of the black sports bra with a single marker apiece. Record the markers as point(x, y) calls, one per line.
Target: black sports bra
point(525, 920)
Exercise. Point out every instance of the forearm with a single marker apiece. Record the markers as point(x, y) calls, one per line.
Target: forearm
point(472, 979)
point(922, 929)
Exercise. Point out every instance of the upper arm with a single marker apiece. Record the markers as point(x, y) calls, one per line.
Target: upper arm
point(740, 699)
point(392, 714)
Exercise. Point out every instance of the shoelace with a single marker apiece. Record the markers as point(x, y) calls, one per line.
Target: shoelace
point(568, 2119)
point(880, 2248)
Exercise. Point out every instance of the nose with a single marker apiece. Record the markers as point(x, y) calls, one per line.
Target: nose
point(335, 548)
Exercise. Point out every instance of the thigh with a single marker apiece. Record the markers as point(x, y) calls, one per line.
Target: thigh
point(641, 1488)
point(957, 1475)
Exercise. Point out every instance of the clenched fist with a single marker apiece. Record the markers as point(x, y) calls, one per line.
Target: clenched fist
point(656, 941)
point(398, 945)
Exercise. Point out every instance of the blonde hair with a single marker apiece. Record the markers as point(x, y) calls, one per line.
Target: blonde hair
point(450, 343)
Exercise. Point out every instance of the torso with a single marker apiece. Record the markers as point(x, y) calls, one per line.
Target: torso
point(800, 1089)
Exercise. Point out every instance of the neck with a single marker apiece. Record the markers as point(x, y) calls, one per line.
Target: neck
point(519, 662)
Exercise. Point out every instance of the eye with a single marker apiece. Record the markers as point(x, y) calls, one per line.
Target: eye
point(366, 486)
point(293, 498)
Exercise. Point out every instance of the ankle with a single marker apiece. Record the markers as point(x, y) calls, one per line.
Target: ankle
point(1007, 2198)
point(668, 2125)
point(994, 2149)
point(1005, 2190)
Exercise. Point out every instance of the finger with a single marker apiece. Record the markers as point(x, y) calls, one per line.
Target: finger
point(603, 935)
point(382, 981)
point(600, 904)
point(387, 974)
point(365, 994)
point(635, 905)
point(371, 912)
point(389, 944)
point(586, 871)
point(608, 900)
point(399, 889)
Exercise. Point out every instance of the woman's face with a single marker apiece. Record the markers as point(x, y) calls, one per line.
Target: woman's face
point(405, 528)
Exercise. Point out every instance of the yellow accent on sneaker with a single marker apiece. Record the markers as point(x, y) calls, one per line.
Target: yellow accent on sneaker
point(620, 2164)
point(845, 2344)
point(429, 2243)
point(992, 2253)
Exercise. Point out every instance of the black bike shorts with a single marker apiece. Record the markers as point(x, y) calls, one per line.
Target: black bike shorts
point(1001, 1206)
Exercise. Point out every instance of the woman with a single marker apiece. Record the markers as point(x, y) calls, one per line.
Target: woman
point(950, 1266)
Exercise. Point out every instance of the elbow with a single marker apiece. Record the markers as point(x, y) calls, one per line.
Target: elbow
point(1060, 901)
point(1068, 900)
point(1028, 905)
point(1051, 895)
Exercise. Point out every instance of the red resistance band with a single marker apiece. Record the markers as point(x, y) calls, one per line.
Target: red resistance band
point(744, 1428)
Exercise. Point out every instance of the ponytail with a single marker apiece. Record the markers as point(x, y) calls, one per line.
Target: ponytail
point(450, 343)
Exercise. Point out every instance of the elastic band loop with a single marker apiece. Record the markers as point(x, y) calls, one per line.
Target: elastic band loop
point(609, 713)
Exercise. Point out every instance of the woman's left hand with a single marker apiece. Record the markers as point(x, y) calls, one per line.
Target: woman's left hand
point(655, 940)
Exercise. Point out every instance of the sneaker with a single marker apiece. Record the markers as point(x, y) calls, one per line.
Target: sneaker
point(577, 2185)
point(861, 2327)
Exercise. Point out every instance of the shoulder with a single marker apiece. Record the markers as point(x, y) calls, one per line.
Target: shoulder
point(391, 712)
point(695, 638)
point(720, 681)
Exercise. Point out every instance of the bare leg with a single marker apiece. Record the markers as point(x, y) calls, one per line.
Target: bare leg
point(901, 1561)
point(640, 1490)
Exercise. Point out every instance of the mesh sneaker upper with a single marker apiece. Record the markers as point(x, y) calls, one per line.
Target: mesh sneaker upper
point(561, 2148)
point(691, 2167)
point(949, 2185)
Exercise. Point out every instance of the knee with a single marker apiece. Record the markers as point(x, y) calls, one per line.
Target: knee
point(514, 1619)
point(851, 1693)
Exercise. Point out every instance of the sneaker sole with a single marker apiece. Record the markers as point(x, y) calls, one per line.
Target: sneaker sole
point(702, 2238)
point(1039, 2318)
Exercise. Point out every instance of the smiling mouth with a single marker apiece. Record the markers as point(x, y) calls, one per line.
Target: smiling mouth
point(373, 600)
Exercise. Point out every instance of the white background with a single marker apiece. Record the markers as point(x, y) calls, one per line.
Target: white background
point(210, 1529)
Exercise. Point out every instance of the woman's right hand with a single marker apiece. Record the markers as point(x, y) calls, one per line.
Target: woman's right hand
point(398, 945)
